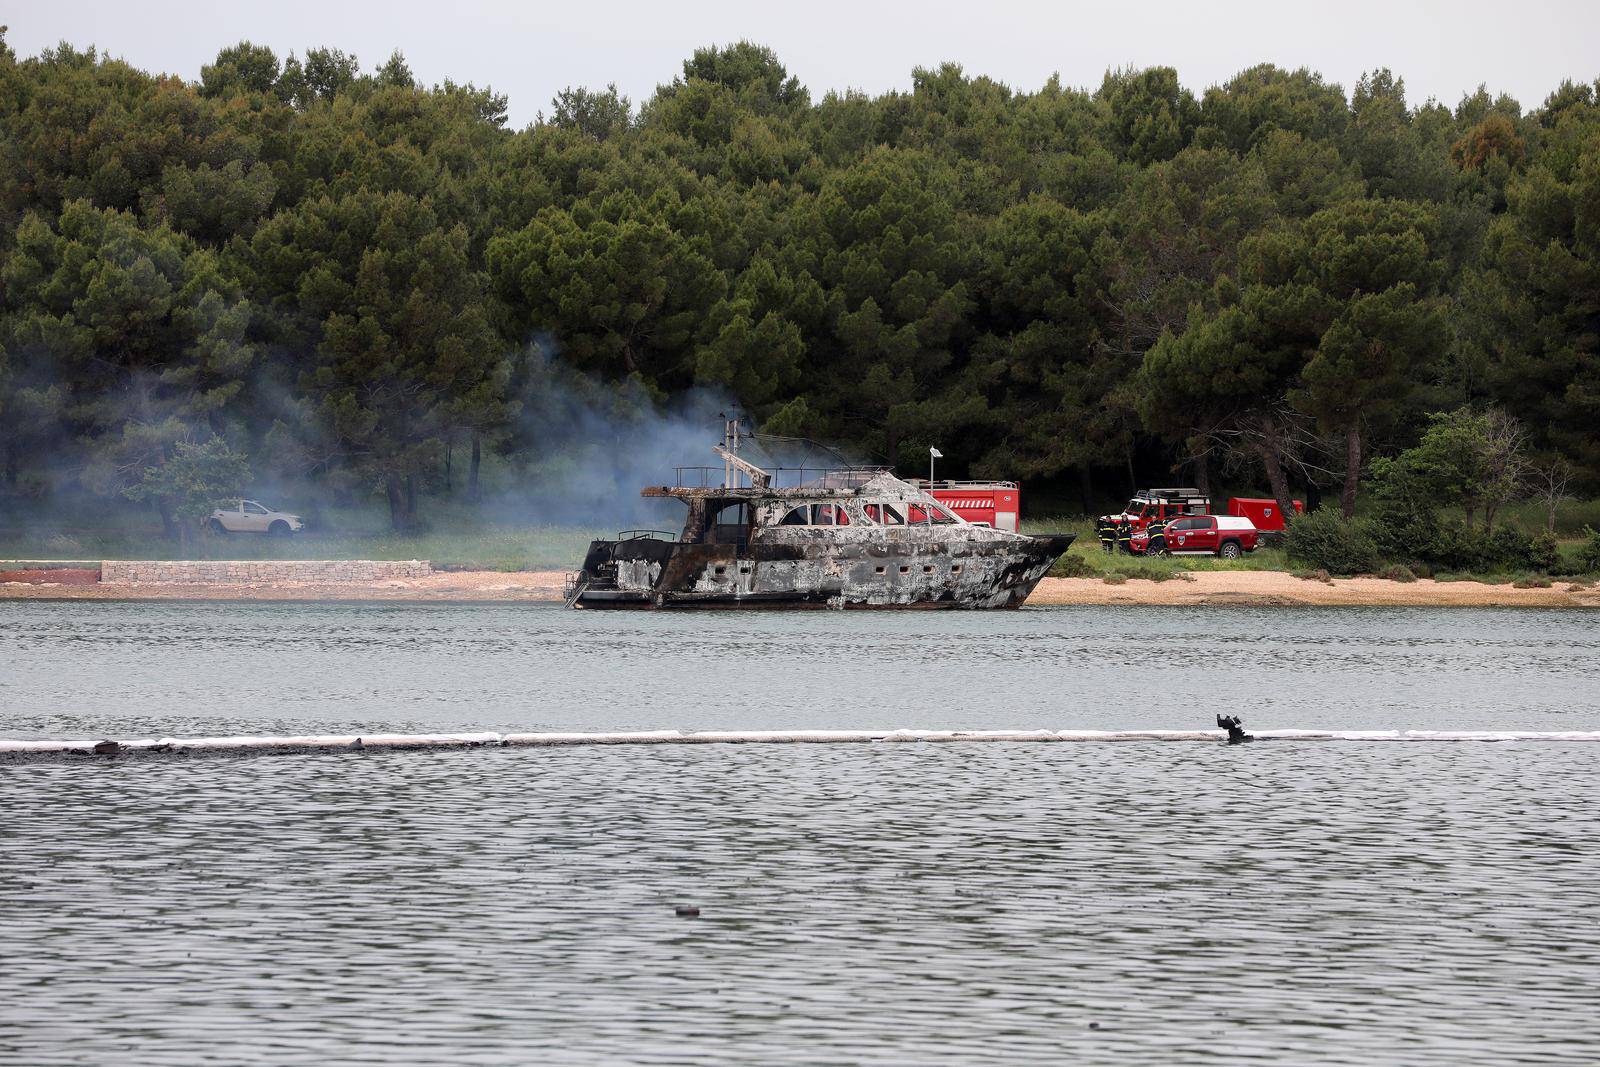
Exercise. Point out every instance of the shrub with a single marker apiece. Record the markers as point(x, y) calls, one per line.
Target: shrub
point(1510, 548)
point(1399, 572)
point(1589, 552)
point(1318, 575)
point(1114, 578)
point(1543, 554)
point(1072, 565)
point(1328, 540)
point(1537, 581)
point(1453, 546)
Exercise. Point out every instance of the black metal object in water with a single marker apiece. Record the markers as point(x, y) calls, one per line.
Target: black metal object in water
point(1235, 728)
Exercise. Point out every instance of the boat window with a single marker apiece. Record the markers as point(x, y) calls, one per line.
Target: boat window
point(887, 514)
point(800, 516)
point(930, 514)
point(829, 515)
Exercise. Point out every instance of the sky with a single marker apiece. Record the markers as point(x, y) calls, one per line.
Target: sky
point(530, 50)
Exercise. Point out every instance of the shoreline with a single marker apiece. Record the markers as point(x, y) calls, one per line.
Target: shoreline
point(1202, 588)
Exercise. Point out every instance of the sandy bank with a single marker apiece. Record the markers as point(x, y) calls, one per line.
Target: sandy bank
point(1274, 588)
point(1253, 588)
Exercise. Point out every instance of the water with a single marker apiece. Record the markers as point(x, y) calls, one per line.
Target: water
point(71, 669)
point(1132, 903)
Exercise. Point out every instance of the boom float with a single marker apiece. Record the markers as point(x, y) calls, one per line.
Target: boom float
point(17, 749)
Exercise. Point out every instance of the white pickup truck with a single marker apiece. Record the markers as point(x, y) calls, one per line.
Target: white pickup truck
point(249, 517)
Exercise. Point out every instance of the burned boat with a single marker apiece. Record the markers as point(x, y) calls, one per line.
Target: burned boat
point(850, 538)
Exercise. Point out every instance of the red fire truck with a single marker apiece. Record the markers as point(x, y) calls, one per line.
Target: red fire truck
point(995, 504)
point(1152, 510)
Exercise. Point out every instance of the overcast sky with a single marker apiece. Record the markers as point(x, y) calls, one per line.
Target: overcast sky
point(530, 50)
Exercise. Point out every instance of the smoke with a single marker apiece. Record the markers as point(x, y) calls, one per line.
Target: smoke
point(584, 449)
point(577, 455)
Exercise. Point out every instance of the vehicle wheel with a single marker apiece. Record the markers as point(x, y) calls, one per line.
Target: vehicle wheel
point(1229, 550)
point(279, 529)
point(217, 527)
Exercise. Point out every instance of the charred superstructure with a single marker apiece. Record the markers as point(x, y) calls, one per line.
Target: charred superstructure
point(848, 538)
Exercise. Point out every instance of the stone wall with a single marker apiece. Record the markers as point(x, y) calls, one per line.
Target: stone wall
point(267, 571)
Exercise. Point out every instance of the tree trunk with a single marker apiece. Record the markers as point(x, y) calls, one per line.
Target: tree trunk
point(472, 471)
point(169, 525)
point(448, 449)
point(399, 514)
point(1202, 474)
point(1352, 470)
point(1268, 450)
point(1133, 481)
point(1085, 489)
point(411, 499)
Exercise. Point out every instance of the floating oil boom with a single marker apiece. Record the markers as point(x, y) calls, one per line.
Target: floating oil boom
point(845, 537)
point(20, 750)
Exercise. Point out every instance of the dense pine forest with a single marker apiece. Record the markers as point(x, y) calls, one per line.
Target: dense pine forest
point(302, 268)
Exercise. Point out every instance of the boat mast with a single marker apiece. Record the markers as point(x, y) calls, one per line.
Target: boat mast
point(732, 461)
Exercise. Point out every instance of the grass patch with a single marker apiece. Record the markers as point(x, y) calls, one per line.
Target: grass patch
point(467, 546)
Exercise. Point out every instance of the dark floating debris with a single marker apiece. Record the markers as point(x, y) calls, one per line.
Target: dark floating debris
point(107, 748)
point(1235, 728)
point(686, 911)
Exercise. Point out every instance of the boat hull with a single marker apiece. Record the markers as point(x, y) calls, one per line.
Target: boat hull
point(647, 573)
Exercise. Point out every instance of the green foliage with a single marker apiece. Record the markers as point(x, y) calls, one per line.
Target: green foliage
point(196, 480)
point(1588, 558)
point(1398, 572)
point(351, 276)
point(1327, 540)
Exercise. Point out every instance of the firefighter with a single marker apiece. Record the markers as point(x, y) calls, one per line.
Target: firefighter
point(1155, 529)
point(1106, 530)
point(1125, 536)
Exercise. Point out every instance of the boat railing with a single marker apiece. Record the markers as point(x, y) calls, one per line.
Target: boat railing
point(647, 535)
point(698, 477)
point(833, 477)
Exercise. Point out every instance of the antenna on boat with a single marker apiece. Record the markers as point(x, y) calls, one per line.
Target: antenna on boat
point(732, 428)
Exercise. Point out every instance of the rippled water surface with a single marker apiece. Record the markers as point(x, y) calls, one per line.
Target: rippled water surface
point(1129, 903)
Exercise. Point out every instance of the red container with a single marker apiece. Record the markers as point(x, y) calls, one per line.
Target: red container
point(1265, 514)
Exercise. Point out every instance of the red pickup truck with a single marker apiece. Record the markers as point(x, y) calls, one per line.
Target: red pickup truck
point(1227, 536)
